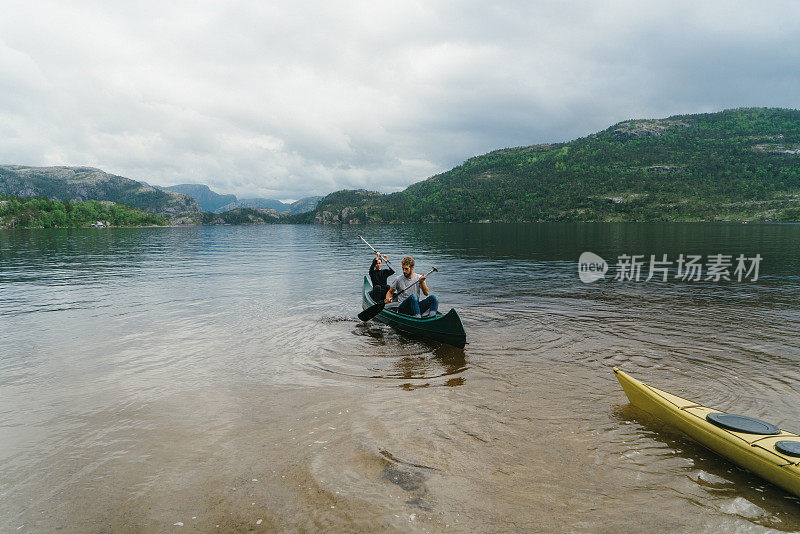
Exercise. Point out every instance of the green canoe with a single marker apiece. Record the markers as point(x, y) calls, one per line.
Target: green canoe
point(445, 328)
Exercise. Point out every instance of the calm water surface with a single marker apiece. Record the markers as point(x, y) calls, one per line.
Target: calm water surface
point(219, 376)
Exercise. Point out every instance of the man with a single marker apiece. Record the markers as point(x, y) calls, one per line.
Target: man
point(407, 288)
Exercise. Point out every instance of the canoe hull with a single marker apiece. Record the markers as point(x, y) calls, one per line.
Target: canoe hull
point(754, 452)
point(445, 328)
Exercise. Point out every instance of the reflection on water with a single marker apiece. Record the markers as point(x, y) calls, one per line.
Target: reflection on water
point(219, 376)
point(697, 472)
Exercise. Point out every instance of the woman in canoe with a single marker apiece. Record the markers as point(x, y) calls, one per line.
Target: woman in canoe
point(378, 276)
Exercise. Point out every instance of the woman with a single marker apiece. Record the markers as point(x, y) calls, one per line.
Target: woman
point(378, 276)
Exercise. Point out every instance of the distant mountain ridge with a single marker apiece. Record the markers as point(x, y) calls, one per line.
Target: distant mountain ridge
point(87, 183)
point(254, 203)
point(300, 206)
point(217, 203)
point(304, 205)
point(208, 199)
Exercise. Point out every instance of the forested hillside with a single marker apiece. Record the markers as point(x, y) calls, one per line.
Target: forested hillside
point(741, 164)
point(43, 212)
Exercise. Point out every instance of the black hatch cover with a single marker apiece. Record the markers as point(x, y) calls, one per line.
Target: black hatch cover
point(791, 448)
point(742, 423)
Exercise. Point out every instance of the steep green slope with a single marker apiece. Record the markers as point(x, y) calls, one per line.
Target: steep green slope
point(741, 164)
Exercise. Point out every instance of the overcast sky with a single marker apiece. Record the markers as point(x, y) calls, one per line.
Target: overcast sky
point(285, 99)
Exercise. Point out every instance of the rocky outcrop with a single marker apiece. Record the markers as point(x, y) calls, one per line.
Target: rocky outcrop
point(346, 207)
point(346, 216)
point(778, 150)
point(245, 216)
point(646, 128)
point(327, 217)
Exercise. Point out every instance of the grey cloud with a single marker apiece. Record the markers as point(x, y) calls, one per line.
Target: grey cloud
point(288, 99)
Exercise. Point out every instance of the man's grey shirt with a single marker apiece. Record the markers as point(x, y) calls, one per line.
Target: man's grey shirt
point(401, 287)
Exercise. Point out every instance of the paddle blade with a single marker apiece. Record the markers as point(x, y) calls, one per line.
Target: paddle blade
point(372, 311)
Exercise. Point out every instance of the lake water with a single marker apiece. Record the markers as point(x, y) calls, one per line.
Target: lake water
point(218, 376)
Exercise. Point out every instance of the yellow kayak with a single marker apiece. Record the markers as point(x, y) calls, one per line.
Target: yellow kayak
point(758, 446)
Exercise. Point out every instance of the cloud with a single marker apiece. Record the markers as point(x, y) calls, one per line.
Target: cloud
point(287, 99)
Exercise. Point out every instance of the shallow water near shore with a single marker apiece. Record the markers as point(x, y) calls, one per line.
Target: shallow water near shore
point(159, 378)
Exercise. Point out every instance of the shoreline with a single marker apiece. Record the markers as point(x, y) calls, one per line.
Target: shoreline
point(415, 223)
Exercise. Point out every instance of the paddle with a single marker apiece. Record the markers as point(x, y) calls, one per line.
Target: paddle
point(375, 309)
point(376, 252)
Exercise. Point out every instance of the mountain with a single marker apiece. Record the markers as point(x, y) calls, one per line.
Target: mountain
point(208, 199)
point(738, 165)
point(216, 203)
point(246, 216)
point(87, 183)
point(301, 206)
point(304, 205)
point(254, 203)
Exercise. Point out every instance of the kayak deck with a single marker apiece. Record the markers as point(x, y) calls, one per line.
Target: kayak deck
point(754, 452)
point(445, 328)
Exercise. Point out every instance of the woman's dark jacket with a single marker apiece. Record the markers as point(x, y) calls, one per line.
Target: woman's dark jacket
point(378, 278)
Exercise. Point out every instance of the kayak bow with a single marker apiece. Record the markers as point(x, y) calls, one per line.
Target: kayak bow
point(756, 445)
point(445, 328)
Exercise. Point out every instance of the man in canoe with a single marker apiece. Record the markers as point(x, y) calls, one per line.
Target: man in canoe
point(405, 289)
point(378, 275)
